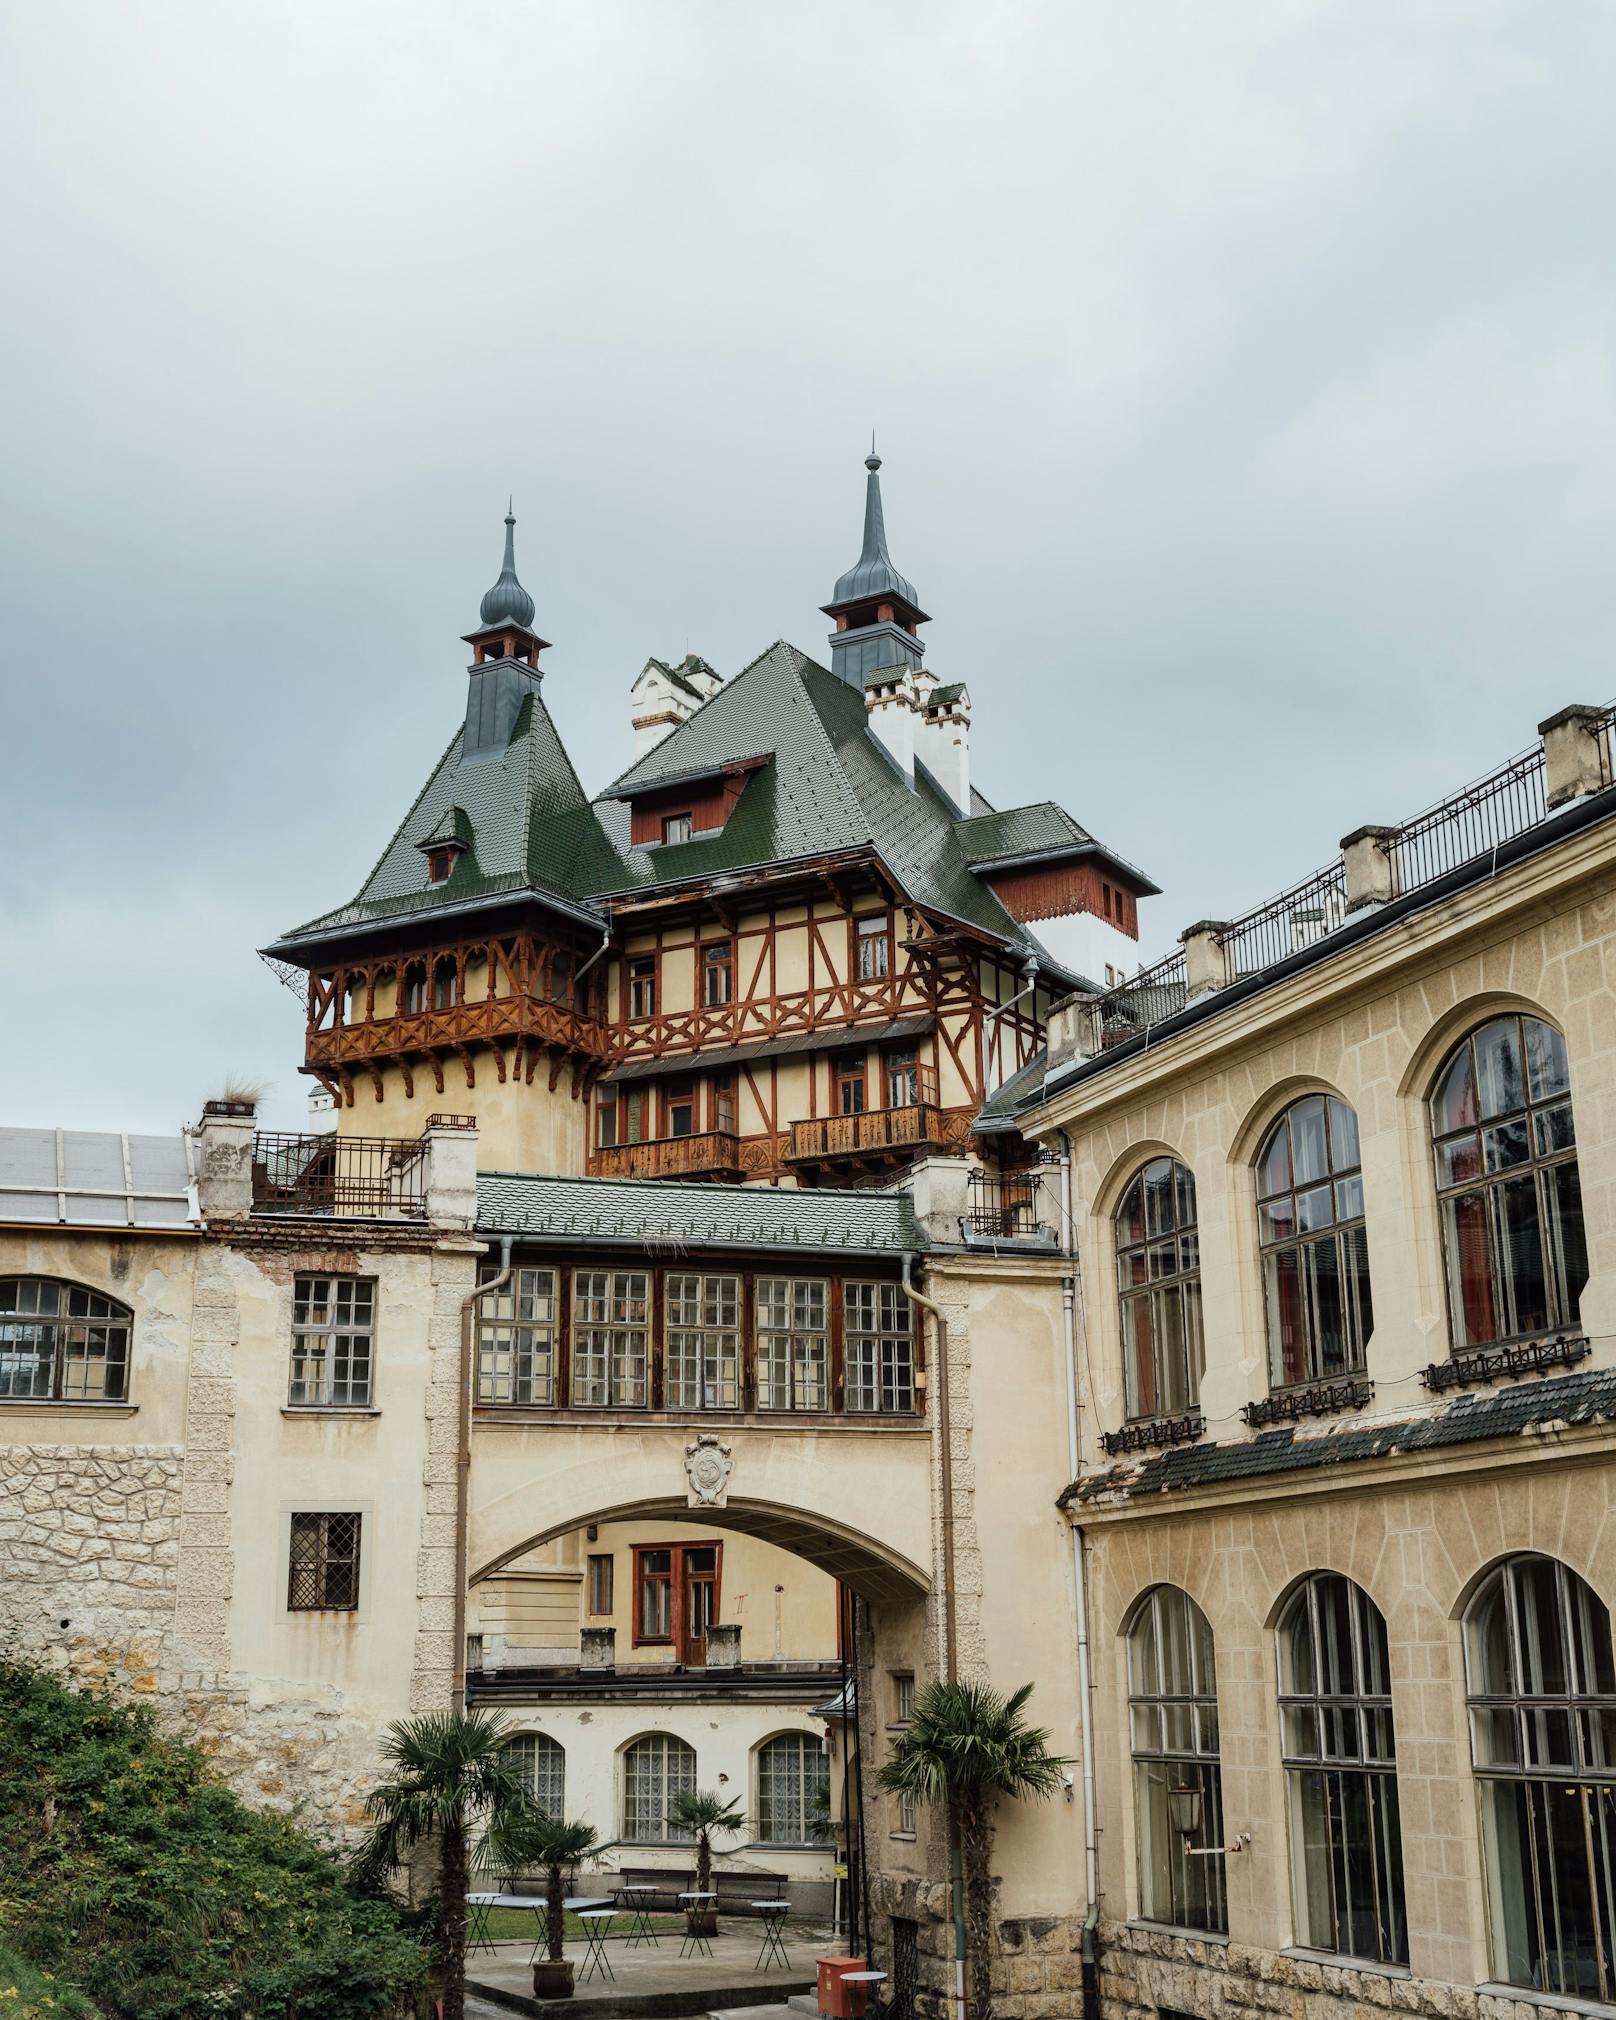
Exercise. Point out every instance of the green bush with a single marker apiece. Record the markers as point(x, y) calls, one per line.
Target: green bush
point(128, 1870)
point(27, 1994)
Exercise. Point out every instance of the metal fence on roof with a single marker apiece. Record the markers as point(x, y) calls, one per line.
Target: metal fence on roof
point(1508, 802)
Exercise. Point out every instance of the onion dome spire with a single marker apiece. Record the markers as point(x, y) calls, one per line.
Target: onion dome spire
point(508, 602)
point(875, 608)
point(873, 573)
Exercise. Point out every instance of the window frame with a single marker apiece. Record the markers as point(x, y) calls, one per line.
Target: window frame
point(321, 1560)
point(678, 1578)
point(544, 1747)
point(1176, 1290)
point(600, 1583)
point(806, 1746)
point(850, 1075)
point(871, 931)
point(717, 1343)
point(118, 1319)
point(1308, 1245)
point(641, 973)
point(885, 1350)
point(668, 1746)
point(816, 1365)
point(331, 1335)
point(717, 963)
point(534, 1338)
point(1339, 1768)
point(1562, 1303)
point(1186, 1753)
point(678, 828)
point(623, 1368)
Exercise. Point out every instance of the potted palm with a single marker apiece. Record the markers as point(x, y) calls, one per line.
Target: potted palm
point(555, 1845)
point(965, 1747)
point(704, 1814)
point(450, 1774)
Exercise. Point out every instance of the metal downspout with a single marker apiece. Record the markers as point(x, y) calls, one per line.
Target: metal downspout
point(956, 1868)
point(1080, 1587)
point(457, 1688)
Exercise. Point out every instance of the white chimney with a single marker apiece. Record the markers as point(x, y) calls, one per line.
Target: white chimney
point(664, 696)
point(893, 710)
point(943, 744)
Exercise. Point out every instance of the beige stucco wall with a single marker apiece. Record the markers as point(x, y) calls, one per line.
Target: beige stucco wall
point(521, 1125)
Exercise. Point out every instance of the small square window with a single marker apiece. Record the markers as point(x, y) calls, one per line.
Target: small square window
point(676, 827)
point(323, 1569)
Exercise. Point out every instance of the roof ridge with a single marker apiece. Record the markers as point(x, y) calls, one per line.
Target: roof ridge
point(658, 1187)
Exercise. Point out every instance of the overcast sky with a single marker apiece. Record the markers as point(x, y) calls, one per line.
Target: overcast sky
point(1243, 372)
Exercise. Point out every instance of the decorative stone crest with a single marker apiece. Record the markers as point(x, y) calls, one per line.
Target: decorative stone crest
point(708, 1465)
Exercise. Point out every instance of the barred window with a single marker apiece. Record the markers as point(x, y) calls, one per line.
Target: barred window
point(542, 1764)
point(793, 1343)
point(516, 1338)
point(610, 1321)
point(655, 1770)
point(333, 1342)
point(793, 1789)
point(703, 1343)
point(324, 1573)
point(880, 1347)
point(62, 1342)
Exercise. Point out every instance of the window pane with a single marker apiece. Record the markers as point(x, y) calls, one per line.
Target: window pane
point(1545, 1060)
point(1500, 1081)
point(1309, 1147)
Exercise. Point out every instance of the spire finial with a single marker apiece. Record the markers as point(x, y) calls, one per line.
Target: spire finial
point(872, 461)
point(508, 602)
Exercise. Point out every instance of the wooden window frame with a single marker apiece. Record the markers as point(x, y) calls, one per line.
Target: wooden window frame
point(678, 1585)
point(706, 966)
point(633, 982)
point(600, 1571)
point(857, 937)
point(687, 815)
point(685, 1091)
point(845, 1068)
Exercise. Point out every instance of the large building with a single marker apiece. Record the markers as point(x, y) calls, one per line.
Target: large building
point(777, 1249)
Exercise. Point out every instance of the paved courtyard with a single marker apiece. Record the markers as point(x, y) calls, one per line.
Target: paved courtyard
point(654, 1980)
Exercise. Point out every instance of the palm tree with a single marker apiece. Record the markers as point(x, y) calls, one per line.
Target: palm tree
point(703, 1814)
point(556, 1845)
point(965, 1746)
point(451, 1772)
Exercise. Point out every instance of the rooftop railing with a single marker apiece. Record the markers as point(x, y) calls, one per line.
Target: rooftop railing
point(1460, 829)
point(358, 1177)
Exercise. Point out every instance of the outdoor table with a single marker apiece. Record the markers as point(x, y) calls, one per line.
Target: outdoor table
point(695, 1942)
point(868, 1979)
point(477, 1907)
point(773, 1914)
point(597, 1926)
point(574, 1904)
point(639, 1900)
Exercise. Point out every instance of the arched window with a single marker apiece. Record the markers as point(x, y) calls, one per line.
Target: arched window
point(1159, 1277)
point(445, 983)
point(542, 1763)
point(655, 1769)
point(412, 1000)
point(793, 1789)
point(1542, 1687)
point(1310, 1223)
point(62, 1343)
point(1173, 1719)
point(1341, 1770)
point(1506, 1175)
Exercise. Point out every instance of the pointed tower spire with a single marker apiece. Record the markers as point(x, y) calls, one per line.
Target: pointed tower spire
point(508, 602)
point(875, 608)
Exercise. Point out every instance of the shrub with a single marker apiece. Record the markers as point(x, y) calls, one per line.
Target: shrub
point(131, 1871)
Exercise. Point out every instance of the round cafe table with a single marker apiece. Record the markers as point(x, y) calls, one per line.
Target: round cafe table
point(695, 1942)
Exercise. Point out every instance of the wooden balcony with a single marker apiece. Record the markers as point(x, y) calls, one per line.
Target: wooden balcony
point(716, 1153)
point(874, 1137)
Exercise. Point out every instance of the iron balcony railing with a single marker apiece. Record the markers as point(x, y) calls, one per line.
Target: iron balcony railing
point(358, 1177)
point(1008, 1206)
point(1508, 802)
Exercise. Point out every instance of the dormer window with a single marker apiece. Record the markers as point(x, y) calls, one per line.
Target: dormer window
point(439, 862)
point(677, 827)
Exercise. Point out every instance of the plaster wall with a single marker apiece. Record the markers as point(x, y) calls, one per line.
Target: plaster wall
point(521, 1125)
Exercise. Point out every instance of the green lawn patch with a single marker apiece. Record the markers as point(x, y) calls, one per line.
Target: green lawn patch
point(130, 1871)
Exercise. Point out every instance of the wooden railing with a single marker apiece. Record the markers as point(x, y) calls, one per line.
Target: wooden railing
point(715, 1152)
point(876, 1129)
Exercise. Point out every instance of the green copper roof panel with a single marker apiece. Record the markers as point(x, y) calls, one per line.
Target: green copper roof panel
point(647, 1211)
point(1038, 829)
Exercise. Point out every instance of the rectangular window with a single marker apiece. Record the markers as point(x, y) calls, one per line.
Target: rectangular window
point(793, 1343)
point(642, 985)
point(680, 1107)
point(63, 1342)
point(717, 973)
point(703, 1364)
point(606, 1122)
point(903, 1079)
point(516, 1338)
point(609, 1335)
point(634, 1116)
point(880, 1348)
point(324, 1564)
point(903, 1697)
point(676, 827)
point(333, 1331)
point(676, 1596)
point(653, 1597)
point(602, 1580)
point(850, 1084)
point(724, 1102)
point(874, 948)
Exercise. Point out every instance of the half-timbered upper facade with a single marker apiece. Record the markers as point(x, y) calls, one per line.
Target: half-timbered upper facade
point(792, 942)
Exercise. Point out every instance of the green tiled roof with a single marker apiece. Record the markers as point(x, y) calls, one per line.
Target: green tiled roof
point(941, 696)
point(829, 788)
point(640, 1213)
point(1040, 829)
point(452, 825)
